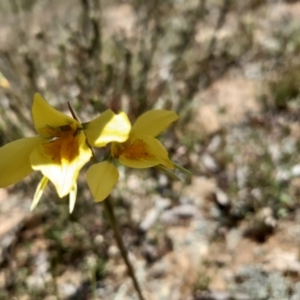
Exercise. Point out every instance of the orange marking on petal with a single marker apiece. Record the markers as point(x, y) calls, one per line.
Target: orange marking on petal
point(65, 143)
point(52, 149)
point(137, 150)
point(70, 148)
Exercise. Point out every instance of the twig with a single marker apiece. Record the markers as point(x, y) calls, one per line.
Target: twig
point(219, 25)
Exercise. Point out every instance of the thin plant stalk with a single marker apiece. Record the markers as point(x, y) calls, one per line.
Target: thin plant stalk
point(111, 216)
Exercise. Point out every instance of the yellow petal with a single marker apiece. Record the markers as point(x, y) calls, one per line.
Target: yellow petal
point(62, 174)
point(14, 160)
point(107, 128)
point(72, 198)
point(101, 179)
point(39, 192)
point(44, 115)
point(145, 152)
point(153, 122)
point(4, 83)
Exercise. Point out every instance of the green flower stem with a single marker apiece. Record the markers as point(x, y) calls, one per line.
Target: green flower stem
point(111, 216)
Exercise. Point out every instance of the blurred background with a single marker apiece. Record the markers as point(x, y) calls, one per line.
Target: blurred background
point(231, 70)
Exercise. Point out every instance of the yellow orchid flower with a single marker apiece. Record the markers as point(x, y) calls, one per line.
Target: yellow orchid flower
point(140, 150)
point(59, 151)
